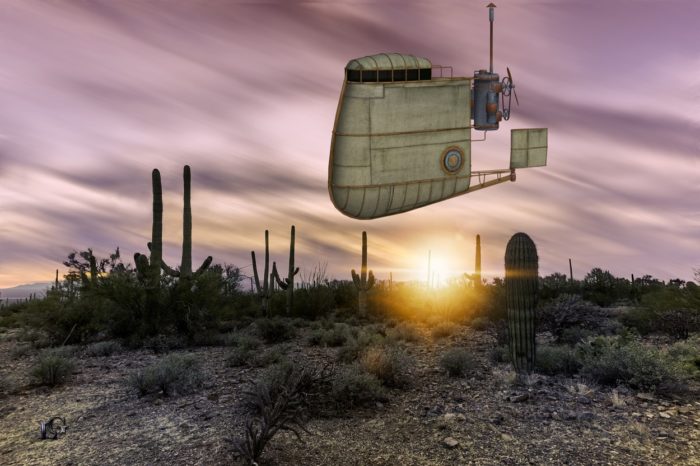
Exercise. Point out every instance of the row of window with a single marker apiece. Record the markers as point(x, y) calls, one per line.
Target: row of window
point(422, 74)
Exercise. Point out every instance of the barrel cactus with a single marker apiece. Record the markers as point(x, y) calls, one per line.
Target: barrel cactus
point(521, 300)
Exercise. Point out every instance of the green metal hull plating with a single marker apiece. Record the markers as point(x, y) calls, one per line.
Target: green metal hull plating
point(390, 142)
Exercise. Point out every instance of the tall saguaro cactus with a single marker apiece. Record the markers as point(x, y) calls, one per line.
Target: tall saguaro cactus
point(288, 283)
point(477, 262)
point(149, 269)
point(265, 290)
point(521, 300)
point(185, 270)
point(365, 281)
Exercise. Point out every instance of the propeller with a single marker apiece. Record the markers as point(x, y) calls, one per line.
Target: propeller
point(510, 78)
point(508, 87)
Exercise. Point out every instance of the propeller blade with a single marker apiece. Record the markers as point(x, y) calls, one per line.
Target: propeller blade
point(516, 97)
point(509, 75)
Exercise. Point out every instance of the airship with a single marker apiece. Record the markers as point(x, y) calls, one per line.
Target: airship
point(403, 132)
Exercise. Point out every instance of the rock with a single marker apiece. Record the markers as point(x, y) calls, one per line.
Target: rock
point(518, 398)
point(507, 437)
point(570, 416)
point(497, 419)
point(449, 417)
point(585, 416)
point(664, 414)
point(379, 405)
point(645, 396)
point(684, 409)
point(450, 442)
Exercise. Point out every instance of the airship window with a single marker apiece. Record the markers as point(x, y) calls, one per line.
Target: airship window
point(373, 76)
point(452, 159)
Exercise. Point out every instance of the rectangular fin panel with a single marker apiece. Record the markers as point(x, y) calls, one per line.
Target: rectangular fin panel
point(528, 147)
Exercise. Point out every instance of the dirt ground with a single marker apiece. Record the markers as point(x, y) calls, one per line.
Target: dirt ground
point(483, 419)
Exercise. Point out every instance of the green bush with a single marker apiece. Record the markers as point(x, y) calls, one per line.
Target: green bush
point(245, 341)
point(274, 330)
point(52, 368)
point(458, 362)
point(391, 365)
point(354, 347)
point(480, 323)
point(404, 332)
point(103, 349)
point(239, 356)
point(266, 358)
point(173, 374)
point(687, 355)
point(613, 360)
point(444, 330)
point(499, 354)
point(571, 319)
point(353, 386)
point(552, 360)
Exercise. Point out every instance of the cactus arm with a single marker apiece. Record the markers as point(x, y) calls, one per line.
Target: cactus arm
point(205, 265)
point(370, 281)
point(255, 272)
point(282, 284)
point(363, 270)
point(169, 270)
point(355, 279)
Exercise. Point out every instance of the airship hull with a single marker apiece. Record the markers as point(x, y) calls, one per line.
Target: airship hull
point(398, 146)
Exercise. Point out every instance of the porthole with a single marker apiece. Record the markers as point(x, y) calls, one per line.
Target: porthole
point(452, 160)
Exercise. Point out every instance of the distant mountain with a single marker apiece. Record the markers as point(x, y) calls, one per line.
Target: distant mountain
point(25, 291)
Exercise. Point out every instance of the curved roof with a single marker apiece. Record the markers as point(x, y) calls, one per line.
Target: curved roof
point(388, 61)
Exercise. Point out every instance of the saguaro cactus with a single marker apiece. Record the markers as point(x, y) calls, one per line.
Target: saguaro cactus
point(148, 271)
point(521, 299)
point(477, 262)
point(265, 290)
point(365, 281)
point(288, 283)
point(185, 270)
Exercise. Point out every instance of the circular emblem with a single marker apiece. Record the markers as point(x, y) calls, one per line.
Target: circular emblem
point(452, 159)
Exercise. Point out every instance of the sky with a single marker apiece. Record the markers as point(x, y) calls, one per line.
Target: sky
point(95, 94)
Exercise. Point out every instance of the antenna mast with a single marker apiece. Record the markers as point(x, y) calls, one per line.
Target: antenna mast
point(491, 6)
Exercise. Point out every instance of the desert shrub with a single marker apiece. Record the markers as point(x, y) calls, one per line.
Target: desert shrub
point(161, 343)
point(21, 350)
point(52, 368)
point(687, 355)
point(499, 354)
point(314, 301)
point(613, 360)
point(391, 365)
point(571, 319)
point(315, 338)
point(480, 323)
point(641, 319)
point(444, 330)
point(103, 349)
point(173, 374)
point(239, 356)
point(337, 336)
point(353, 386)
point(552, 360)
point(679, 322)
point(274, 330)
point(277, 401)
point(266, 358)
point(404, 332)
point(458, 362)
point(354, 347)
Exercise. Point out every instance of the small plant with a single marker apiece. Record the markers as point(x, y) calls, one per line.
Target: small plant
point(552, 360)
point(239, 356)
point(499, 354)
point(277, 401)
point(391, 365)
point(353, 386)
point(443, 330)
point(404, 332)
point(458, 362)
point(354, 347)
point(266, 358)
point(52, 369)
point(103, 349)
point(480, 323)
point(274, 330)
point(571, 319)
point(174, 374)
point(612, 360)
